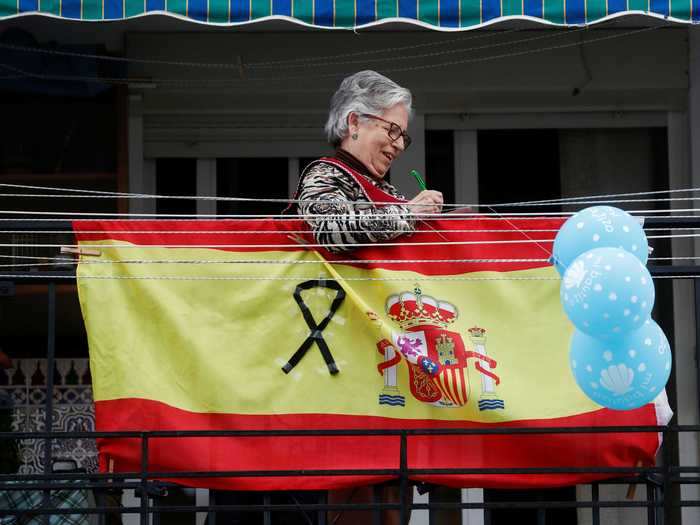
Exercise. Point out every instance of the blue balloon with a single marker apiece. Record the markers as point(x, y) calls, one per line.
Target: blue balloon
point(623, 373)
point(607, 292)
point(598, 227)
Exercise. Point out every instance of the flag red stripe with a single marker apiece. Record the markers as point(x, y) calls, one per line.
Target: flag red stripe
point(365, 452)
point(275, 233)
point(463, 381)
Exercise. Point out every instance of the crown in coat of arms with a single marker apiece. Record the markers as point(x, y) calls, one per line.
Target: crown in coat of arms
point(411, 309)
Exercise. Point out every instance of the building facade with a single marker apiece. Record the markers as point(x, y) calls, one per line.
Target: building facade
point(508, 112)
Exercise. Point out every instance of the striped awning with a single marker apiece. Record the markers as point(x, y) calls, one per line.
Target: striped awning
point(437, 14)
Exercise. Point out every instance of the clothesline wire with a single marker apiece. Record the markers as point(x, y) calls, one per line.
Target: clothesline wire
point(279, 278)
point(133, 195)
point(255, 200)
point(67, 260)
point(303, 244)
point(674, 236)
point(584, 202)
point(435, 65)
point(229, 218)
point(314, 62)
point(291, 262)
point(248, 78)
point(297, 217)
point(247, 65)
point(571, 200)
point(265, 232)
point(87, 193)
point(394, 58)
point(294, 232)
point(300, 278)
point(300, 217)
point(126, 262)
point(481, 242)
point(276, 246)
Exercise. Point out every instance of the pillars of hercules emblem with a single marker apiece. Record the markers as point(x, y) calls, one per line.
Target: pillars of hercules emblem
point(390, 394)
point(488, 399)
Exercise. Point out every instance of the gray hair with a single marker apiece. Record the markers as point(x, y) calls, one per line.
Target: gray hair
point(364, 92)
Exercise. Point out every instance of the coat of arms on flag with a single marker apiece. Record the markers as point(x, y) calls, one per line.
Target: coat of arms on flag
point(437, 359)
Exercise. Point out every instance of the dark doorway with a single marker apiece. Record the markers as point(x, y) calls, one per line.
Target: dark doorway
point(440, 162)
point(260, 178)
point(517, 166)
point(176, 177)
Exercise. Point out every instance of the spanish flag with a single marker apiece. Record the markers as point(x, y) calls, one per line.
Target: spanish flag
point(248, 325)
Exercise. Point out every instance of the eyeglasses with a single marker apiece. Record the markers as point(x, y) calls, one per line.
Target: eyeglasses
point(395, 132)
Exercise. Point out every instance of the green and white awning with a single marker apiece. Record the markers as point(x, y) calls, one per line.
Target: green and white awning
point(438, 14)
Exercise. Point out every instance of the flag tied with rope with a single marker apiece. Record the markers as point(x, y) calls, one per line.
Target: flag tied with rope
point(238, 325)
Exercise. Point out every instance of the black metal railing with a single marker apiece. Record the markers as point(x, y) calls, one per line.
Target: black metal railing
point(148, 482)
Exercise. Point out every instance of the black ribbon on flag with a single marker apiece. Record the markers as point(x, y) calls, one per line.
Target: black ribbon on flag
point(316, 334)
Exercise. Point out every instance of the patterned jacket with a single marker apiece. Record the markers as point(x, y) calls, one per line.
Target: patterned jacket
point(347, 216)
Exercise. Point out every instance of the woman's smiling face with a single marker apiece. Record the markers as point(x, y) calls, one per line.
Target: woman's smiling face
point(373, 146)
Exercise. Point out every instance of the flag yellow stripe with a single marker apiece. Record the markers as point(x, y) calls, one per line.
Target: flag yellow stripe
point(218, 346)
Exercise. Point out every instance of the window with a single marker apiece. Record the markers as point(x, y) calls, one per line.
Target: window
point(261, 178)
point(519, 165)
point(176, 177)
point(440, 162)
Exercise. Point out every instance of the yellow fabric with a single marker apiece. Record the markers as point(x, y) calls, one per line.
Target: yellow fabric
point(218, 345)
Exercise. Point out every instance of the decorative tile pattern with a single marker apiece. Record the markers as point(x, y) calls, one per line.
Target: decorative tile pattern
point(73, 410)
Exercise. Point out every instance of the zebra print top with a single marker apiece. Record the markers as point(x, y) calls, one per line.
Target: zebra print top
point(325, 189)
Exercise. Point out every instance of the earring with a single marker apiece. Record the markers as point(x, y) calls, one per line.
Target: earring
point(354, 136)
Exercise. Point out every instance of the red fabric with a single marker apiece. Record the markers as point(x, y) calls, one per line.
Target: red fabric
point(487, 237)
point(373, 193)
point(367, 452)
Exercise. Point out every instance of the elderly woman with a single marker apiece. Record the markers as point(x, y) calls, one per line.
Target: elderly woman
point(345, 198)
point(347, 202)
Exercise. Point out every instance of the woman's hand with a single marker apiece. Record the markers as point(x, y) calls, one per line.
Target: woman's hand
point(427, 201)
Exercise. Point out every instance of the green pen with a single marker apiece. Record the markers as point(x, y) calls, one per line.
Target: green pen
point(419, 179)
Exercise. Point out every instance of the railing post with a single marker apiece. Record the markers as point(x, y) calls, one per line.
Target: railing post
point(651, 504)
point(322, 514)
point(211, 514)
point(666, 493)
point(144, 479)
point(595, 509)
point(432, 520)
point(487, 510)
point(267, 515)
point(541, 516)
point(403, 480)
point(100, 504)
point(48, 406)
point(376, 499)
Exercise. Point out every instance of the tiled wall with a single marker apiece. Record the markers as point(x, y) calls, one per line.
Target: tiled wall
point(73, 409)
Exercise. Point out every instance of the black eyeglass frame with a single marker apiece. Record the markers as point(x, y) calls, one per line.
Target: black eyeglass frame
point(395, 132)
